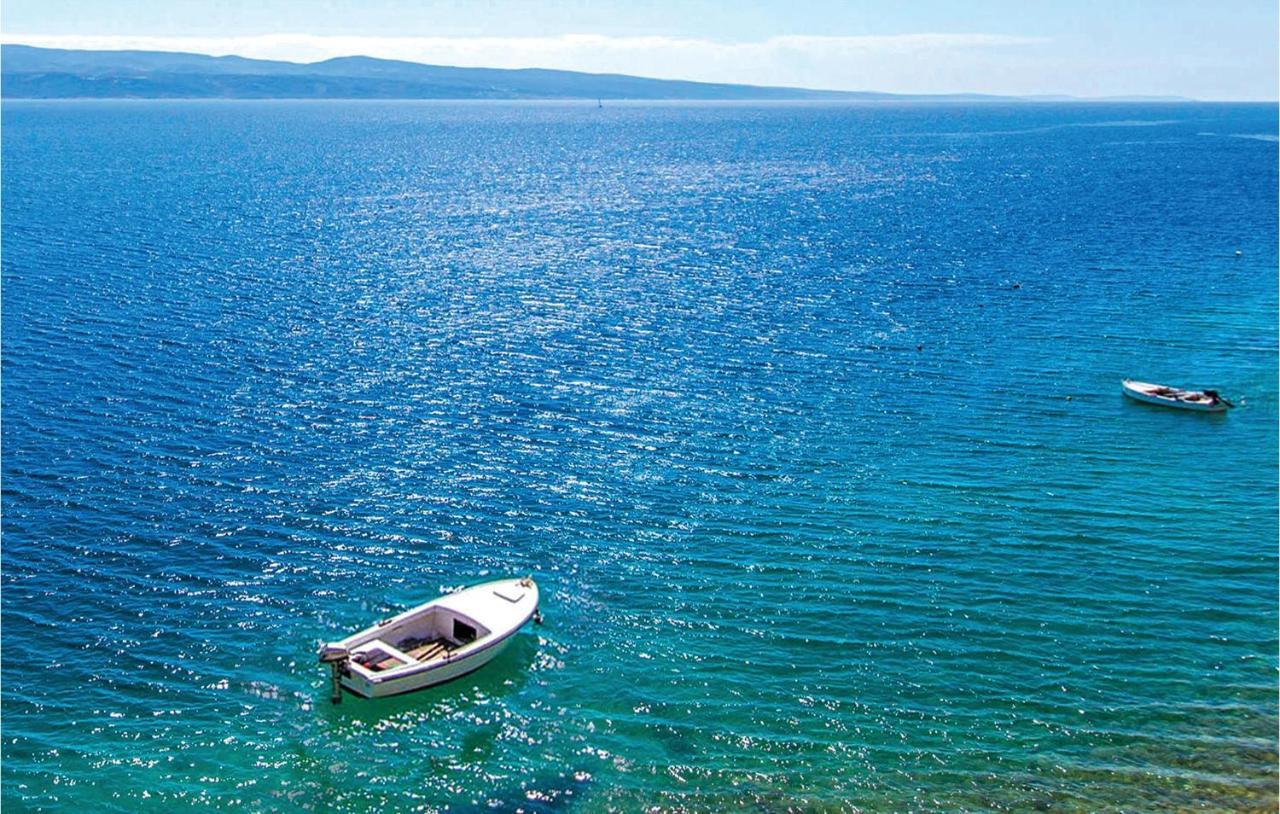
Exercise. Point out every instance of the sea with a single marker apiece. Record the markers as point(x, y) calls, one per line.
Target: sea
point(806, 418)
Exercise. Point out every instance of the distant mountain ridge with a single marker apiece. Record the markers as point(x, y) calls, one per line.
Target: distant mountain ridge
point(27, 72)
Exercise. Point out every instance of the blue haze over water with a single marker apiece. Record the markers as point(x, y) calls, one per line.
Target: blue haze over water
point(805, 416)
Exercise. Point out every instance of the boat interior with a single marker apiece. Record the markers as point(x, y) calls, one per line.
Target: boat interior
point(428, 636)
point(1193, 396)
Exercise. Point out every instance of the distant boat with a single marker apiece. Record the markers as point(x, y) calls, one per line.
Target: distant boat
point(435, 642)
point(1205, 401)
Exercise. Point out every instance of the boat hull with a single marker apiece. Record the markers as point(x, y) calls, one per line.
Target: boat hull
point(430, 676)
point(433, 643)
point(1138, 394)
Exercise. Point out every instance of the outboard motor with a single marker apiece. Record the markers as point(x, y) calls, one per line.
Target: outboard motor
point(336, 656)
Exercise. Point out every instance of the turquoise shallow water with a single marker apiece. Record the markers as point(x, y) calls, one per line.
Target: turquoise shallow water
point(806, 417)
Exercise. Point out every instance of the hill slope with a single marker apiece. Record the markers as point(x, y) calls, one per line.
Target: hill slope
point(45, 73)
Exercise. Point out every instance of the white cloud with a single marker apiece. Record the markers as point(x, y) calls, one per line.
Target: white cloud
point(919, 63)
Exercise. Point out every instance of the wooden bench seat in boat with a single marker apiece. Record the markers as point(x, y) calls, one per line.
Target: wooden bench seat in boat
point(426, 651)
point(380, 655)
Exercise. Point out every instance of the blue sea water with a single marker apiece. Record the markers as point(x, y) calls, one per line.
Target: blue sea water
point(806, 417)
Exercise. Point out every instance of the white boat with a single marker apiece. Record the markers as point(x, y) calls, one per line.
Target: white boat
point(435, 642)
point(1206, 401)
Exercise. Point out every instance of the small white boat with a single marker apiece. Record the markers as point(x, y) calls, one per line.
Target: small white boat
point(435, 642)
point(1206, 401)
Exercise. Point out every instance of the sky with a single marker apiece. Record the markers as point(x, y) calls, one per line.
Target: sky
point(1225, 50)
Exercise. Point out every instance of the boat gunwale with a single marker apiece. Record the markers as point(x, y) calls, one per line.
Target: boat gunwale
point(463, 674)
point(417, 667)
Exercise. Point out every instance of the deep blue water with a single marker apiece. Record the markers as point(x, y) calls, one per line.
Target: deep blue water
point(806, 417)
